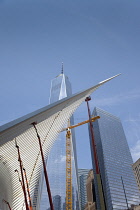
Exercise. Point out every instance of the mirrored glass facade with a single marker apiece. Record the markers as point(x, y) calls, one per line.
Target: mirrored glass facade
point(56, 163)
point(83, 174)
point(115, 163)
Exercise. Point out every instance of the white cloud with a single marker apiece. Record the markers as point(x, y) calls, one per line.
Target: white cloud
point(135, 151)
point(133, 134)
point(110, 101)
point(61, 159)
point(117, 99)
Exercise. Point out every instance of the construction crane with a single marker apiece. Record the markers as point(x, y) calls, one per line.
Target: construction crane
point(97, 169)
point(69, 162)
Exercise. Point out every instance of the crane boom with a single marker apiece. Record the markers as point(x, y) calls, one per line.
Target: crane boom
point(81, 123)
point(97, 169)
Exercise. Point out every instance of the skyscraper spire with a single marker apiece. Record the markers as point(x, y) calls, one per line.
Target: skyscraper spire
point(62, 69)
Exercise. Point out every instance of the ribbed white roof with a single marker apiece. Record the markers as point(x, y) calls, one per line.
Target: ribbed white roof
point(50, 120)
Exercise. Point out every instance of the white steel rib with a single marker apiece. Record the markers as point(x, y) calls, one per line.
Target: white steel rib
point(50, 120)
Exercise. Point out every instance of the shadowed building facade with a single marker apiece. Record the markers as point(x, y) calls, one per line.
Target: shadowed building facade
point(136, 169)
point(57, 202)
point(115, 163)
point(90, 205)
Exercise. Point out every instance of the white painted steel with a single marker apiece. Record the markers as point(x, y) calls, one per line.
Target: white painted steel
point(50, 120)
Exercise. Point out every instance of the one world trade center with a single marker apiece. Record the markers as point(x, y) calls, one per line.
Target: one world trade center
point(56, 163)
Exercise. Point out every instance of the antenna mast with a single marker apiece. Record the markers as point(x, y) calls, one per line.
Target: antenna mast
point(62, 71)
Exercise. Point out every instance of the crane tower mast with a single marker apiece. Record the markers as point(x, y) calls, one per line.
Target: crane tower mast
point(68, 171)
point(69, 202)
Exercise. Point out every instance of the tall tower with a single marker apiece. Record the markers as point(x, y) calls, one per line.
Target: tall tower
point(82, 175)
point(60, 87)
point(115, 163)
point(56, 163)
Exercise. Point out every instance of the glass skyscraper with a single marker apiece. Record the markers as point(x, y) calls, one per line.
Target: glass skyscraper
point(115, 163)
point(56, 163)
point(82, 175)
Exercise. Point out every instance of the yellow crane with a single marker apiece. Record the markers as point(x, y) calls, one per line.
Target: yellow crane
point(69, 162)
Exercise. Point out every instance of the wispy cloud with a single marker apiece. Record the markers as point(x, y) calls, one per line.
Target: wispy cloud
point(111, 101)
point(61, 159)
point(117, 99)
point(135, 151)
point(133, 132)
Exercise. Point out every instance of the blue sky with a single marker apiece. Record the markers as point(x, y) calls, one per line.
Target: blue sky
point(94, 39)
